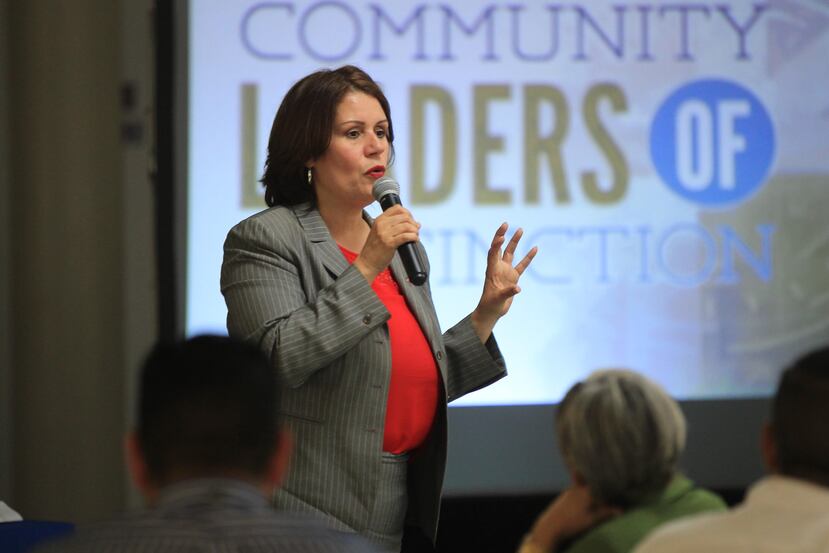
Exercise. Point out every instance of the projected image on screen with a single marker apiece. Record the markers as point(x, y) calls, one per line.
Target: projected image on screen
point(668, 161)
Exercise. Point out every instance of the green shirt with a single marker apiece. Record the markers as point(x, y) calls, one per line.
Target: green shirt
point(622, 533)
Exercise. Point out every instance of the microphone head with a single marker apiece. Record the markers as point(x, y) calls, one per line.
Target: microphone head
point(383, 186)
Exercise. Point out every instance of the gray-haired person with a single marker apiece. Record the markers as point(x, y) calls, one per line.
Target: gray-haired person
point(621, 436)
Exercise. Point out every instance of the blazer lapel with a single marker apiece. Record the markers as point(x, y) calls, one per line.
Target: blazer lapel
point(417, 297)
point(322, 244)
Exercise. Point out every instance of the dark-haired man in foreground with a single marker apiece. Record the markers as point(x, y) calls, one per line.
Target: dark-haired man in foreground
point(788, 510)
point(207, 454)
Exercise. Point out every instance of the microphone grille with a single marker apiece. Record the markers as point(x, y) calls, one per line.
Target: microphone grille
point(385, 185)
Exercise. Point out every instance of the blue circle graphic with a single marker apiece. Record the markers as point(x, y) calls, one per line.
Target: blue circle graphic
point(712, 142)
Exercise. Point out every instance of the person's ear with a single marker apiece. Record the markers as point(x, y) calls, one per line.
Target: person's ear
point(280, 458)
point(577, 478)
point(137, 465)
point(768, 447)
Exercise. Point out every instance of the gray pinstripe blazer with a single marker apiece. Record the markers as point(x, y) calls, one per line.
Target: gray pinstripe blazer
point(289, 288)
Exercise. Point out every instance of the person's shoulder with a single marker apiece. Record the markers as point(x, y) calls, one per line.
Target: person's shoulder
point(682, 498)
point(701, 499)
point(96, 536)
point(624, 532)
point(277, 217)
point(262, 531)
point(604, 538)
point(272, 227)
point(683, 534)
point(282, 530)
point(618, 534)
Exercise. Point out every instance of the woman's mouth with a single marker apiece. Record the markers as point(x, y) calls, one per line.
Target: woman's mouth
point(376, 172)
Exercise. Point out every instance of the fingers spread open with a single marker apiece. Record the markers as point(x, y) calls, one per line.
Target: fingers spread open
point(509, 251)
point(500, 233)
point(527, 260)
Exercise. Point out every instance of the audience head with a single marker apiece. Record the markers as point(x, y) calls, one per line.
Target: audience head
point(621, 435)
point(206, 408)
point(302, 130)
point(796, 442)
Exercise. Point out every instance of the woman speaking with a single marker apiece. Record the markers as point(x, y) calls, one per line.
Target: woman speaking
point(320, 287)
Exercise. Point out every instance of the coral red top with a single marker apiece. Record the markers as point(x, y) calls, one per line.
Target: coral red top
point(413, 392)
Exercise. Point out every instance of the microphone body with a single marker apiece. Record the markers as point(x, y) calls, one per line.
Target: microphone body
point(386, 191)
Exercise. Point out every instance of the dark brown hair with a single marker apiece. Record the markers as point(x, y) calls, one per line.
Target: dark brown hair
point(303, 126)
point(207, 407)
point(800, 418)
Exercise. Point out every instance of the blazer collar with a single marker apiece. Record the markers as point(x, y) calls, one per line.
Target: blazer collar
point(321, 242)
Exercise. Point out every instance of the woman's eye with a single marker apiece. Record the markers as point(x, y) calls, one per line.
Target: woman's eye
point(381, 133)
point(353, 133)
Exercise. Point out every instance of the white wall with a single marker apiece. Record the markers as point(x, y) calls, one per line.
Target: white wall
point(5, 267)
point(79, 272)
point(140, 280)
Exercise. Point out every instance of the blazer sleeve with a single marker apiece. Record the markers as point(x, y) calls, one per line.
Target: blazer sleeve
point(467, 364)
point(268, 282)
point(471, 365)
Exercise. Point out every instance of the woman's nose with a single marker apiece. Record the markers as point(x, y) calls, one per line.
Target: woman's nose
point(376, 145)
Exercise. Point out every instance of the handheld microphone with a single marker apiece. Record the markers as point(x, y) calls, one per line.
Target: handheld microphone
point(387, 192)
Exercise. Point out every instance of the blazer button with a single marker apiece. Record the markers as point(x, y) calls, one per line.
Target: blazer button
point(439, 355)
point(367, 319)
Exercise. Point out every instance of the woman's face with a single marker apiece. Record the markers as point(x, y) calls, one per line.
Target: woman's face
point(357, 155)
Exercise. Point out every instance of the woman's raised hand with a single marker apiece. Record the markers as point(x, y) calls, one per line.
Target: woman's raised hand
point(501, 281)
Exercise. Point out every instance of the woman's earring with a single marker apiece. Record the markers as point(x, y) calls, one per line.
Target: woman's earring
point(308, 175)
